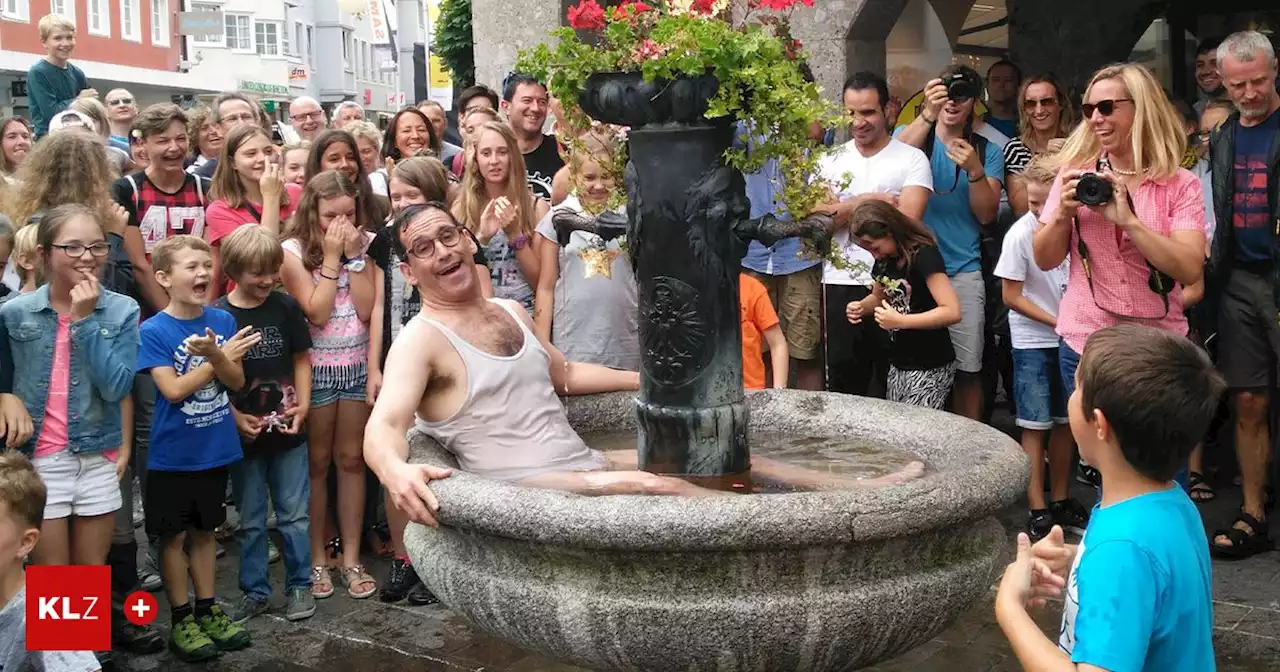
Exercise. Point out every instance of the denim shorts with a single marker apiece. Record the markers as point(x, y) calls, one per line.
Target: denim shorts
point(327, 395)
point(1038, 392)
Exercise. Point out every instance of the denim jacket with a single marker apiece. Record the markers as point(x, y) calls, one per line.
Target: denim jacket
point(104, 356)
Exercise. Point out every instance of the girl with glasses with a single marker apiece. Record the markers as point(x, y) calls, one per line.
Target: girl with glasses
point(74, 346)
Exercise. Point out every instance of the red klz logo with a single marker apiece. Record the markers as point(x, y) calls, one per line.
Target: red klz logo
point(68, 608)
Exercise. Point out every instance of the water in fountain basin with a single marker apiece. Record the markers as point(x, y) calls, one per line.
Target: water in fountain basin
point(811, 463)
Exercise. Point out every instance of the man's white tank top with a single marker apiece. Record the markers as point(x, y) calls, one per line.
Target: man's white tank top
point(511, 424)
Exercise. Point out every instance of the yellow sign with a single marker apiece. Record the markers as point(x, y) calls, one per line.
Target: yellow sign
point(439, 83)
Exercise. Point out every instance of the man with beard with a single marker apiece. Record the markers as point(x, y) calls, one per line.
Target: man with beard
point(1208, 79)
point(525, 102)
point(307, 116)
point(1243, 278)
point(870, 166)
point(967, 176)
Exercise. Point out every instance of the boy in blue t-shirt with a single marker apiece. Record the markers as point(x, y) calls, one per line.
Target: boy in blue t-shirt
point(1139, 593)
point(194, 355)
point(53, 83)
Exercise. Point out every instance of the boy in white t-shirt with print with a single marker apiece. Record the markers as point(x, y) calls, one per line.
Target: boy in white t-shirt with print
point(1032, 296)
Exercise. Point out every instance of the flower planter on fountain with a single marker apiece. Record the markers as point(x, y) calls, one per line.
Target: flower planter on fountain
point(802, 576)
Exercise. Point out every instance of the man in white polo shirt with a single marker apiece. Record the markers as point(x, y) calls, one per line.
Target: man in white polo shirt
point(871, 165)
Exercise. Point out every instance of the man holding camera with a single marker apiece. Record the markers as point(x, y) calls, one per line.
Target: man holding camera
point(1242, 278)
point(967, 174)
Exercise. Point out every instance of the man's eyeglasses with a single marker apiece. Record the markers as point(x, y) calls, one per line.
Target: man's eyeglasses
point(308, 116)
point(76, 250)
point(119, 101)
point(425, 248)
point(1043, 102)
point(1106, 107)
point(246, 118)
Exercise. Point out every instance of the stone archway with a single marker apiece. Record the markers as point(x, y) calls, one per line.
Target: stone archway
point(1072, 40)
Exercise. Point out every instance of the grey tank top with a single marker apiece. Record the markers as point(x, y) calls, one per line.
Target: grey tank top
point(511, 424)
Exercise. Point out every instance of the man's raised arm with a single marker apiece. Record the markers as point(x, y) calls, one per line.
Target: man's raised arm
point(386, 444)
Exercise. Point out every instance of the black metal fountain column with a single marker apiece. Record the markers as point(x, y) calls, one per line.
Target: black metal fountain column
point(686, 227)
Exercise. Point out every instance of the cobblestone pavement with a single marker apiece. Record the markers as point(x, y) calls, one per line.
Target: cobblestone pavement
point(370, 636)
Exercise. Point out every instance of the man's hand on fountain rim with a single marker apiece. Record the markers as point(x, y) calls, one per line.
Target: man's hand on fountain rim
point(407, 485)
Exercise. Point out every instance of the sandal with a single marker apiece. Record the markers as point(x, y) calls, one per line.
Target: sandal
point(380, 541)
point(357, 576)
point(1244, 543)
point(1199, 491)
point(321, 582)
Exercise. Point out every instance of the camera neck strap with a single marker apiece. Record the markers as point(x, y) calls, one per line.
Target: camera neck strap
point(1157, 281)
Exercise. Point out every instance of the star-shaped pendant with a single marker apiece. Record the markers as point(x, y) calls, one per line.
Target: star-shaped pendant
point(599, 262)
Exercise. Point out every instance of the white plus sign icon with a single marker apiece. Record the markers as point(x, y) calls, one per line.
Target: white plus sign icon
point(141, 608)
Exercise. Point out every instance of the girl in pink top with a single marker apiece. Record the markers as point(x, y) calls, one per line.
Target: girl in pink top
point(247, 189)
point(327, 271)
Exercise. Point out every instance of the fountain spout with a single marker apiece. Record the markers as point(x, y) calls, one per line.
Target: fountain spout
point(608, 224)
point(768, 230)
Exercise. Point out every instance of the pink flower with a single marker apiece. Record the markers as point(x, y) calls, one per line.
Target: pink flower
point(588, 15)
point(648, 49)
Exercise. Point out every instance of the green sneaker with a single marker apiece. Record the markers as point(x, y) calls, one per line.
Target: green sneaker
point(226, 634)
point(190, 643)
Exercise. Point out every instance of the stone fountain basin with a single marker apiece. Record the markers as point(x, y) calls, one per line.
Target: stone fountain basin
point(825, 580)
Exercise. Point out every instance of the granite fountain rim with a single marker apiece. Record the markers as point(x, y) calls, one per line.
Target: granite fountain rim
point(974, 471)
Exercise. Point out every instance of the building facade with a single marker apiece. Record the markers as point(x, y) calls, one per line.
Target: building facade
point(348, 55)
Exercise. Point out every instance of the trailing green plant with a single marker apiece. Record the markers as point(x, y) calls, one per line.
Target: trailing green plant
point(753, 57)
point(454, 43)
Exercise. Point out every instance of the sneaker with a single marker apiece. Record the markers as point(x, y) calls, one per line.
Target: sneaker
point(302, 604)
point(148, 574)
point(273, 553)
point(401, 579)
point(190, 643)
point(246, 608)
point(421, 595)
point(1070, 514)
point(1039, 523)
point(226, 635)
point(1087, 476)
point(221, 551)
point(136, 638)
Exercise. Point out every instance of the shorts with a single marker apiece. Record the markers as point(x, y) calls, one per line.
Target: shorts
point(177, 501)
point(967, 335)
point(324, 396)
point(81, 484)
point(926, 387)
point(1068, 362)
point(1248, 337)
point(798, 300)
point(1038, 393)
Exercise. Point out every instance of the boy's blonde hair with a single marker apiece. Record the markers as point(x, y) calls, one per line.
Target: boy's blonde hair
point(1040, 171)
point(21, 490)
point(248, 249)
point(163, 254)
point(51, 22)
point(25, 242)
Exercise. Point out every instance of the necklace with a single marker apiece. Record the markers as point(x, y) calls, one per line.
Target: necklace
point(1126, 173)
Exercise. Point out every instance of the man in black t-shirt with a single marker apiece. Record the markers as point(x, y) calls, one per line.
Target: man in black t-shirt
point(525, 102)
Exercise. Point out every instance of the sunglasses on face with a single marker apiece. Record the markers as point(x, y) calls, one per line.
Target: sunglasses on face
point(119, 101)
point(1106, 107)
point(1043, 102)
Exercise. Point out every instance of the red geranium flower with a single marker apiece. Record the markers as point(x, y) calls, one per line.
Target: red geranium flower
point(588, 15)
point(629, 10)
point(702, 6)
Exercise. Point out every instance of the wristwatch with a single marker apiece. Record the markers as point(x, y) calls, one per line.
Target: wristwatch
point(520, 242)
point(355, 265)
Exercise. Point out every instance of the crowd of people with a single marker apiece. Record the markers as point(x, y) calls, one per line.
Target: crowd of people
point(197, 310)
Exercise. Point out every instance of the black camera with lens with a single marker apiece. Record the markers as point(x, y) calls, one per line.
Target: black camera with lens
point(1093, 190)
point(960, 87)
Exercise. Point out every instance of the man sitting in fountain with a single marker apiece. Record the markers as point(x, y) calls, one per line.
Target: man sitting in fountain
point(484, 385)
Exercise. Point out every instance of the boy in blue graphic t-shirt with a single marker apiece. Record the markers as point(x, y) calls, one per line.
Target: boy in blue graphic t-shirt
point(1139, 594)
point(194, 355)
